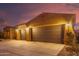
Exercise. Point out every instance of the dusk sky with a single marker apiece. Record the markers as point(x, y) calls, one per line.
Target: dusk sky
point(14, 14)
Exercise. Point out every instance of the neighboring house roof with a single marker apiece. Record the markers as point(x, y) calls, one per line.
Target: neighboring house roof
point(8, 27)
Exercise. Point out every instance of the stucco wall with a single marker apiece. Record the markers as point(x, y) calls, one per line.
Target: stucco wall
point(46, 19)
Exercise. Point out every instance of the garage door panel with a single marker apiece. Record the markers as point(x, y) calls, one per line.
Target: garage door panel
point(47, 34)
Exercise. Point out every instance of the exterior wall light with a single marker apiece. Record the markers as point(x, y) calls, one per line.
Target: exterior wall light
point(16, 30)
point(30, 26)
point(68, 27)
point(27, 29)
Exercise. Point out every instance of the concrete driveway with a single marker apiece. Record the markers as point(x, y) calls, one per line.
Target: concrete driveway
point(26, 48)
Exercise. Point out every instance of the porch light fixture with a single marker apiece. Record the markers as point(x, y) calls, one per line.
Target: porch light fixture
point(27, 29)
point(16, 30)
point(68, 25)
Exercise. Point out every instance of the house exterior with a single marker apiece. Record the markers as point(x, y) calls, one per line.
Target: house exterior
point(47, 27)
point(21, 33)
point(9, 32)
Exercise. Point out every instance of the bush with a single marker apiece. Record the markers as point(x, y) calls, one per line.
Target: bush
point(71, 41)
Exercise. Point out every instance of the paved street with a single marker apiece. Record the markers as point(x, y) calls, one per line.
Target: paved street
point(26, 48)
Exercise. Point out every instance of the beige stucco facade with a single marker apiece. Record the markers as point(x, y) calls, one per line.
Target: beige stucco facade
point(47, 19)
point(9, 32)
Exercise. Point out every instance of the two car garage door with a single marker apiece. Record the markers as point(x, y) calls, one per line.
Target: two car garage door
point(53, 34)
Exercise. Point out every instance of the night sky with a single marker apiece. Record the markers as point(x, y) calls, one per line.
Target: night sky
point(14, 14)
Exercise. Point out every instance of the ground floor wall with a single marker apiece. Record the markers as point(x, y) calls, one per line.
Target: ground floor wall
point(30, 34)
point(11, 34)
